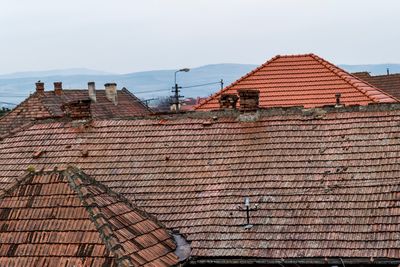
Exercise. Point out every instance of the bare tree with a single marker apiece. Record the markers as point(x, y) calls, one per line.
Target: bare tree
point(163, 104)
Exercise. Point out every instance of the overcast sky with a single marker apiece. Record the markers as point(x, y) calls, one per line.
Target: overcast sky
point(129, 35)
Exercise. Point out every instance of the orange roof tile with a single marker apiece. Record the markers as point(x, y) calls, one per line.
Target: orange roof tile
point(326, 181)
point(65, 218)
point(302, 80)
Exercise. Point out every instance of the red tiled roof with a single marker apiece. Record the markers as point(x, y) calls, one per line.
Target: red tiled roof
point(48, 105)
point(326, 181)
point(68, 219)
point(302, 80)
point(387, 83)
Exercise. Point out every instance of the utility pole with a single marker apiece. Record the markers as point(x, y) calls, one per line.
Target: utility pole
point(176, 96)
point(175, 90)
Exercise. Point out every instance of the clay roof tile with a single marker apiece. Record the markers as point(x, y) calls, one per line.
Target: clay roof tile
point(291, 74)
point(54, 227)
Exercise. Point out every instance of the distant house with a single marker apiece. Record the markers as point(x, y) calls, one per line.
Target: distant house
point(107, 103)
point(189, 104)
point(389, 83)
point(301, 80)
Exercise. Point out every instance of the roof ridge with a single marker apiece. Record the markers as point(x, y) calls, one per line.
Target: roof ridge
point(125, 90)
point(297, 55)
point(77, 180)
point(347, 77)
point(74, 174)
point(383, 75)
point(106, 214)
point(115, 194)
point(44, 105)
point(237, 81)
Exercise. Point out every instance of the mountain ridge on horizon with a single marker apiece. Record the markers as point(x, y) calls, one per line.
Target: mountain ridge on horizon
point(15, 87)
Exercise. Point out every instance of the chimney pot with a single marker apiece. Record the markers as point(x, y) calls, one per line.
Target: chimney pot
point(248, 99)
point(40, 87)
point(58, 88)
point(92, 91)
point(338, 104)
point(111, 92)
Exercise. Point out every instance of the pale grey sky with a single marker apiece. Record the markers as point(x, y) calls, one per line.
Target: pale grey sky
point(130, 35)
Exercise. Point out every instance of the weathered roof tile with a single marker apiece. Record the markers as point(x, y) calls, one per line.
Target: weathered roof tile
point(73, 217)
point(388, 83)
point(49, 105)
point(326, 181)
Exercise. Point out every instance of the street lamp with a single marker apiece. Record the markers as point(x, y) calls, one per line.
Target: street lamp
point(181, 70)
point(176, 89)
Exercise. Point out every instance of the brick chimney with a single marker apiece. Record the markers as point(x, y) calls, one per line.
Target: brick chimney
point(58, 88)
point(78, 109)
point(39, 87)
point(111, 92)
point(228, 101)
point(92, 91)
point(248, 99)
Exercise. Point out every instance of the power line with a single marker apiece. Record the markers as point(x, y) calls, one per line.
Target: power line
point(150, 91)
point(190, 86)
point(199, 85)
point(7, 103)
point(135, 93)
point(9, 95)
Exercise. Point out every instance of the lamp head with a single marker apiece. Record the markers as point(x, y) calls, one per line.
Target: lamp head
point(185, 69)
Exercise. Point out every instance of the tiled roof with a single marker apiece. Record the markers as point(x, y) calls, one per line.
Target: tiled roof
point(64, 218)
point(302, 80)
point(327, 182)
point(388, 83)
point(48, 105)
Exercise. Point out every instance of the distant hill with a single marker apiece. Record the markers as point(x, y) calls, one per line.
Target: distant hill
point(49, 73)
point(149, 84)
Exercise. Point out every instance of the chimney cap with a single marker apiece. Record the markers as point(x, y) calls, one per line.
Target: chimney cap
point(92, 91)
point(110, 84)
point(58, 88)
point(251, 91)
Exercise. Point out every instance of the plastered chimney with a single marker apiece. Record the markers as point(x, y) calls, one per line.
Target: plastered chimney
point(111, 92)
point(92, 91)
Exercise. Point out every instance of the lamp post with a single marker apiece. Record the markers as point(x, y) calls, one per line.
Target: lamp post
point(176, 89)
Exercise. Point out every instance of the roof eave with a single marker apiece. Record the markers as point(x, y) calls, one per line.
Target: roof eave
point(296, 261)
